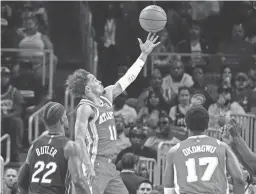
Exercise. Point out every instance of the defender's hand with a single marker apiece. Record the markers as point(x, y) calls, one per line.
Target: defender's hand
point(89, 173)
point(150, 44)
point(234, 128)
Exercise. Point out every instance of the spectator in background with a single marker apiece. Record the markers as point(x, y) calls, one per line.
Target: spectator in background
point(40, 12)
point(142, 169)
point(174, 80)
point(226, 77)
point(237, 46)
point(223, 108)
point(7, 36)
point(251, 29)
point(165, 47)
point(242, 93)
point(155, 82)
point(178, 18)
point(149, 115)
point(252, 79)
point(128, 113)
point(200, 87)
point(37, 42)
point(177, 113)
point(109, 43)
point(11, 110)
point(162, 133)
point(138, 136)
point(24, 78)
point(145, 187)
point(131, 180)
point(122, 141)
point(6, 11)
point(10, 181)
point(195, 43)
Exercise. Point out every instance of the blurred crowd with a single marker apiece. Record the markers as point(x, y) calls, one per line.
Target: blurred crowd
point(153, 108)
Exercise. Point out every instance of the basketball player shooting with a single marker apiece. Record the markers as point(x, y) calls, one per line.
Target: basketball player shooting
point(199, 163)
point(95, 129)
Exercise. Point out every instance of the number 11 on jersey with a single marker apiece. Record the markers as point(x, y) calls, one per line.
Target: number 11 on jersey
point(112, 131)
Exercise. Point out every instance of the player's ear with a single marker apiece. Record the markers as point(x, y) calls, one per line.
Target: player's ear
point(87, 88)
point(61, 121)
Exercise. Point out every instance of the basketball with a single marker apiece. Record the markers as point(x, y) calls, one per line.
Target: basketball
point(153, 18)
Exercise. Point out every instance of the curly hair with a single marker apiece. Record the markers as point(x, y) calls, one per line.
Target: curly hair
point(76, 82)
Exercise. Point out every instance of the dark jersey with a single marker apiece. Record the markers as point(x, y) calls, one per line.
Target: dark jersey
point(48, 166)
point(200, 166)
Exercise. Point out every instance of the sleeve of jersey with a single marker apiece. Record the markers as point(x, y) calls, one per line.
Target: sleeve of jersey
point(131, 74)
point(245, 155)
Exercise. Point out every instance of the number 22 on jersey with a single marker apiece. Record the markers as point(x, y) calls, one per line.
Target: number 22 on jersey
point(41, 166)
point(192, 165)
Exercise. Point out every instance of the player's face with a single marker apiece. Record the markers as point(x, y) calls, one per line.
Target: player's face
point(184, 97)
point(10, 177)
point(145, 188)
point(95, 85)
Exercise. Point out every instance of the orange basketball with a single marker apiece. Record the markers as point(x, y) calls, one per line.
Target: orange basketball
point(153, 18)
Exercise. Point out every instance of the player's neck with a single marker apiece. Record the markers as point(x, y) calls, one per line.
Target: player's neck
point(56, 131)
point(95, 99)
point(195, 133)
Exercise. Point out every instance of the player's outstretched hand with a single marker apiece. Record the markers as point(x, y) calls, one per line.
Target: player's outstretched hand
point(234, 128)
point(150, 43)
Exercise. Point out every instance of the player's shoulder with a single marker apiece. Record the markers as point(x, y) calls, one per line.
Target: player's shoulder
point(84, 107)
point(174, 149)
point(71, 149)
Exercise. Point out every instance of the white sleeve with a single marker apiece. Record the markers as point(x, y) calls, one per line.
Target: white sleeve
point(131, 74)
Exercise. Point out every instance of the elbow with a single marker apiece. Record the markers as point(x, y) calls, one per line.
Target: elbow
point(239, 180)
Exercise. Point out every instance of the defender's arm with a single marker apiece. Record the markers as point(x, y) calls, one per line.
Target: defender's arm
point(73, 152)
point(169, 172)
point(245, 155)
point(23, 178)
point(84, 113)
point(233, 168)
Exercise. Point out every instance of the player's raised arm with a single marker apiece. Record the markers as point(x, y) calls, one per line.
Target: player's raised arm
point(84, 113)
point(73, 152)
point(169, 172)
point(23, 178)
point(233, 168)
point(132, 73)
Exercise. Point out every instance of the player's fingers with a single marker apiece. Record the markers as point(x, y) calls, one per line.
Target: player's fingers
point(152, 37)
point(140, 41)
point(149, 35)
point(156, 44)
point(155, 39)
